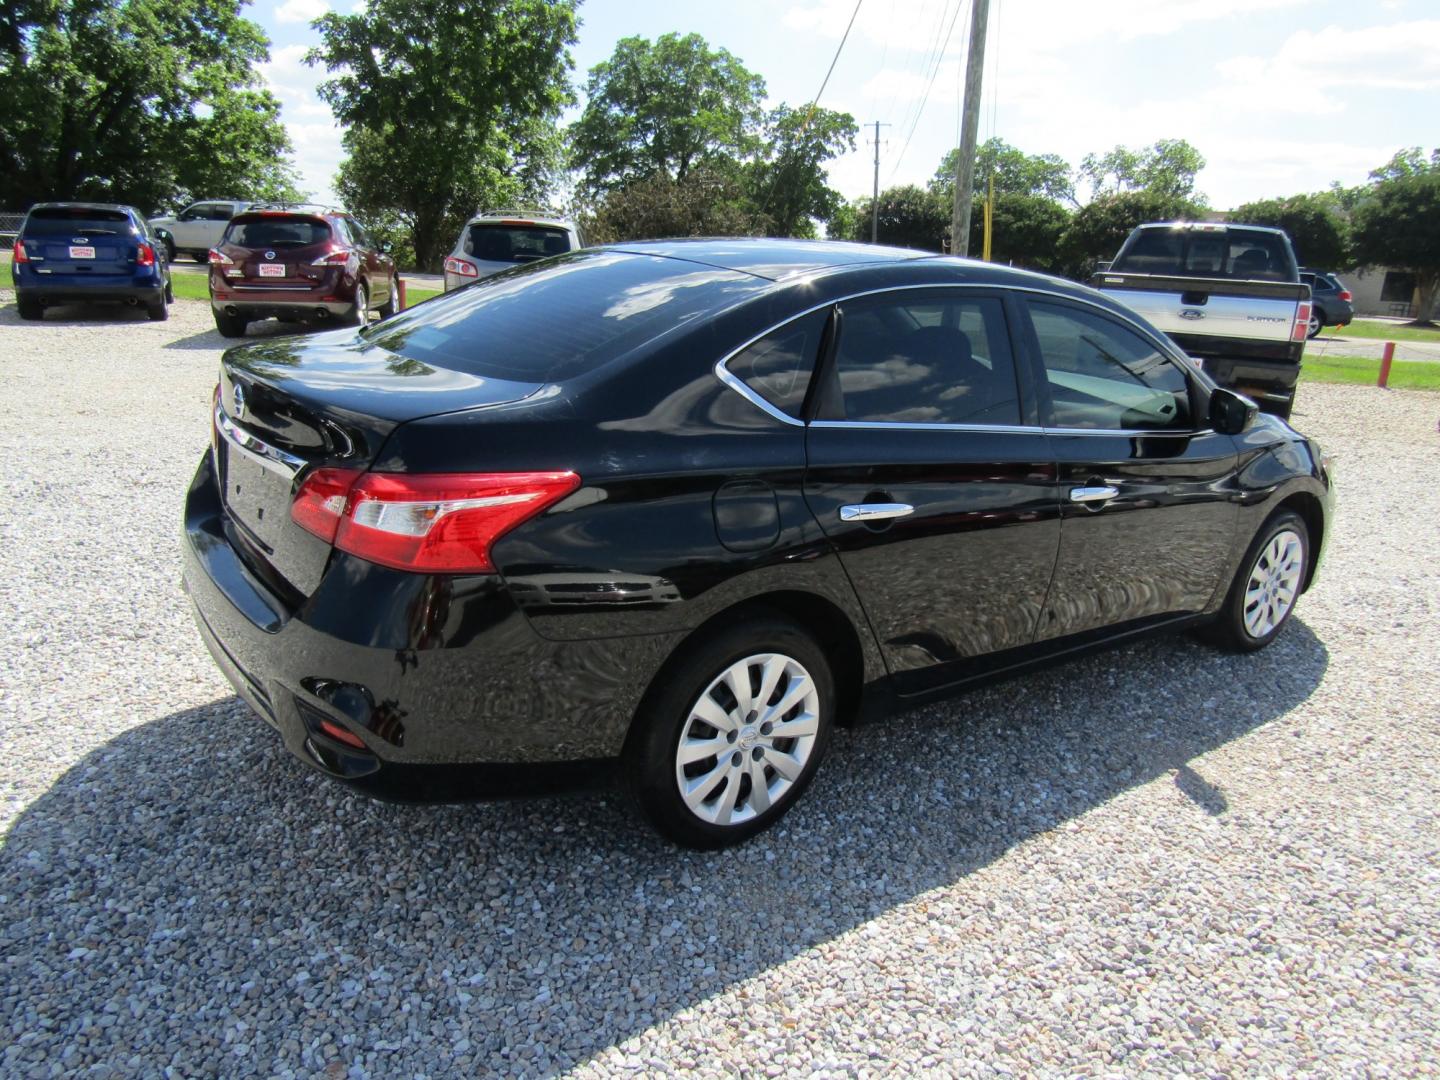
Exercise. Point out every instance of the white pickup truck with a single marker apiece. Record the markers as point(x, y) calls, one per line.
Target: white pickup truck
point(197, 228)
point(1229, 295)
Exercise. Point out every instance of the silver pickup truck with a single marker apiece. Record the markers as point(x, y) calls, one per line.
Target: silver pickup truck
point(1229, 295)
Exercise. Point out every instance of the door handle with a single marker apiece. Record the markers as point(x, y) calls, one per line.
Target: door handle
point(874, 511)
point(1093, 494)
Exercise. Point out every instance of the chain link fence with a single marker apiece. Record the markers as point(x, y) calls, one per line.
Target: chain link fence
point(9, 228)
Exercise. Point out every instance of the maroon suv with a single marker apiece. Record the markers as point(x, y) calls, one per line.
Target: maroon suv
point(298, 263)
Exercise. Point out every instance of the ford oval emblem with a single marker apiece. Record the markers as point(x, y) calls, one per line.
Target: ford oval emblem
point(1192, 313)
point(269, 254)
point(78, 240)
point(239, 402)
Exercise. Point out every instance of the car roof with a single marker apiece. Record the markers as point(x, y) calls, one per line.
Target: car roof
point(773, 259)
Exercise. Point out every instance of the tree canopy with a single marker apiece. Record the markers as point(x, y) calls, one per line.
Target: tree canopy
point(909, 216)
point(1015, 172)
point(787, 180)
point(662, 108)
point(1318, 230)
point(1167, 168)
point(1398, 224)
point(709, 200)
point(447, 108)
point(1100, 226)
point(149, 102)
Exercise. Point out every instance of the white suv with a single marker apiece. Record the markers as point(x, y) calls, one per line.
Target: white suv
point(197, 228)
point(497, 240)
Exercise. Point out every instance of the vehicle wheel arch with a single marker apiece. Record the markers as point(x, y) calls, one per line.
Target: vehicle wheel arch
point(1307, 505)
point(821, 618)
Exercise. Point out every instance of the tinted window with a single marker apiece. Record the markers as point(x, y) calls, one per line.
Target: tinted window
point(276, 232)
point(1103, 375)
point(560, 318)
point(358, 232)
point(218, 211)
point(514, 243)
point(779, 365)
point(926, 360)
point(1243, 254)
point(65, 220)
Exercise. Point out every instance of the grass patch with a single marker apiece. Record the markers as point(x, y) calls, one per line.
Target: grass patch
point(1363, 371)
point(1373, 330)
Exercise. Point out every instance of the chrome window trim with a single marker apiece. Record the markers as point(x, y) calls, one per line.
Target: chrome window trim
point(257, 450)
point(734, 382)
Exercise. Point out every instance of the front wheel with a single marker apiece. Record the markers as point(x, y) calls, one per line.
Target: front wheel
point(734, 735)
point(169, 243)
point(1263, 594)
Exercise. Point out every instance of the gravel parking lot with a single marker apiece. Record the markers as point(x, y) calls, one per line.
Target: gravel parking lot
point(1159, 860)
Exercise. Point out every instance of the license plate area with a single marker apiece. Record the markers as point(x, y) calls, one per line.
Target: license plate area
point(272, 269)
point(82, 252)
point(257, 497)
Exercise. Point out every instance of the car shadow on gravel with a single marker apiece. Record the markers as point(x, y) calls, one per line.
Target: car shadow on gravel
point(257, 331)
point(189, 896)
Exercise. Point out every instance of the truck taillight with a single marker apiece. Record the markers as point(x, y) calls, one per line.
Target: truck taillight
point(461, 267)
point(1302, 322)
point(436, 523)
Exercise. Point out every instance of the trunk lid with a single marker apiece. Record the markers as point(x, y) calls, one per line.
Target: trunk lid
point(81, 241)
point(291, 405)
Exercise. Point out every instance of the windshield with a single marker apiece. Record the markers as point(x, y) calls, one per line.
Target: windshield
point(1240, 254)
point(560, 318)
point(514, 243)
point(85, 220)
point(277, 232)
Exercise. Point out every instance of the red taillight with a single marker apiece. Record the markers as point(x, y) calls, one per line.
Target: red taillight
point(19, 253)
point(219, 258)
point(144, 255)
point(1302, 322)
point(461, 267)
point(339, 257)
point(438, 523)
point(1346, 295)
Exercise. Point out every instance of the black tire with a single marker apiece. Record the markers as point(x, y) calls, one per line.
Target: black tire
point(169, 291)
point(388, 308)
point(359, 313)
point(159, 311)
point(29, 307)
point(1317, 323)
point(169, 244)
point(1230, 630)
point(230, 326)
point(650, 761)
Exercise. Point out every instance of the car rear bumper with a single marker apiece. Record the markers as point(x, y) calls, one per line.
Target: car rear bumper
point(442, 679)
point(73, 292)
point(1336, 312)
point(252, 306)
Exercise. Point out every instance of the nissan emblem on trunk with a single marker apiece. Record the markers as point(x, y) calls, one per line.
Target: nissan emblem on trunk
point(239, 402)
point(269, 254)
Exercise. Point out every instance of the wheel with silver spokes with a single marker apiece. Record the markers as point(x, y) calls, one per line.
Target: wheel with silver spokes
point(1313, 330)
point(1271, 577)
point(733, 735)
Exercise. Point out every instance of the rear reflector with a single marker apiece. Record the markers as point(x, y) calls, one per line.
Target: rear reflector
point(1302, 322)
point(461, 267)
point(339, 734)
point(437, 523)
point(19, 253)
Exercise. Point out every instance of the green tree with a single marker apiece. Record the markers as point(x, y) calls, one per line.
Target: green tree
point(1399, 226)
point(445, 105)
point(1167, 168)
point(1099, 228)
point(1317, 229)
point(709, 200)
point(140, 101)
point(1408, 162)
point(662, 108)
point(909, 216)
point(1015, 172)
point(787, 180)
point(1026, 230)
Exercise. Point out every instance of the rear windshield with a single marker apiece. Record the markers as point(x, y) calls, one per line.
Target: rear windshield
point(62, 221)
point(555, 320)
point(1242, 254)
point(276, 232)
point(514, 243)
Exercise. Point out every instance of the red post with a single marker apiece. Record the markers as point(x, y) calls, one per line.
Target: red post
point(1385, 359)
point(401, 283)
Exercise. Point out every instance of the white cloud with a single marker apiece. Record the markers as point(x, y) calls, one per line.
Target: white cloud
point(312, 128)
point(301, 11)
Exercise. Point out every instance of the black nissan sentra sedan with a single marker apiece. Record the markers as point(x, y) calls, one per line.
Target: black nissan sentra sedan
point(691, 504)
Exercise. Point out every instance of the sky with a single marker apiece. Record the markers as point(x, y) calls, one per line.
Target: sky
point(1280, 96)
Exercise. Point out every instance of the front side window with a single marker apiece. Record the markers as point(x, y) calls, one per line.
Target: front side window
point(1101, 375)
point(778, 366)
point(926, 359)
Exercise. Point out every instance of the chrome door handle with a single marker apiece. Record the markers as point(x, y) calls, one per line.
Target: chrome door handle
point(874, 511)
point(1093, 494)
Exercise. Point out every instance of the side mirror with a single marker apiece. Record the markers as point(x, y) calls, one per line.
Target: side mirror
point(1231, 413)
point(386, 247)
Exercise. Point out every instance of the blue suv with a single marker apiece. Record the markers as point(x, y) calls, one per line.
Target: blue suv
point(78, 252)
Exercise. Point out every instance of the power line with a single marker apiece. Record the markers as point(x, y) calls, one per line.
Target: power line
point(928, 86)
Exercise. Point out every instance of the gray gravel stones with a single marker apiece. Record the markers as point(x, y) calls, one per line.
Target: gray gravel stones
point(1158, 860)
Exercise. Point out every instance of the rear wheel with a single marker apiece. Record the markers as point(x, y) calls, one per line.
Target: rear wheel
point(30, 308)
point(734, 735)
point(1316, 324)
point(159, 311)
point(1263, 594)
point(359, 315)
point(389, 307)
point(230, 326)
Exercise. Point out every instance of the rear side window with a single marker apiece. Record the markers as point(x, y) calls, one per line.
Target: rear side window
point(555, 320)
point(1241, 254)
point(1103, 375)
point(276, 232)
point(916, 359)
point(65, 220)
point(514, 243)
point(778, 366)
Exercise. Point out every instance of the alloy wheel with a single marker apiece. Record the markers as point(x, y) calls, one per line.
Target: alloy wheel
point(747, 739)
point(1315, 326)
point(1274, 583)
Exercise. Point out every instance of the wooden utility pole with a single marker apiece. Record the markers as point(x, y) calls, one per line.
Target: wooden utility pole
point(965, 161)
point(875, 199)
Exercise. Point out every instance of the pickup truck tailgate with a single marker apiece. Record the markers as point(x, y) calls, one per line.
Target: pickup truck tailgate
point(1191, 308)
